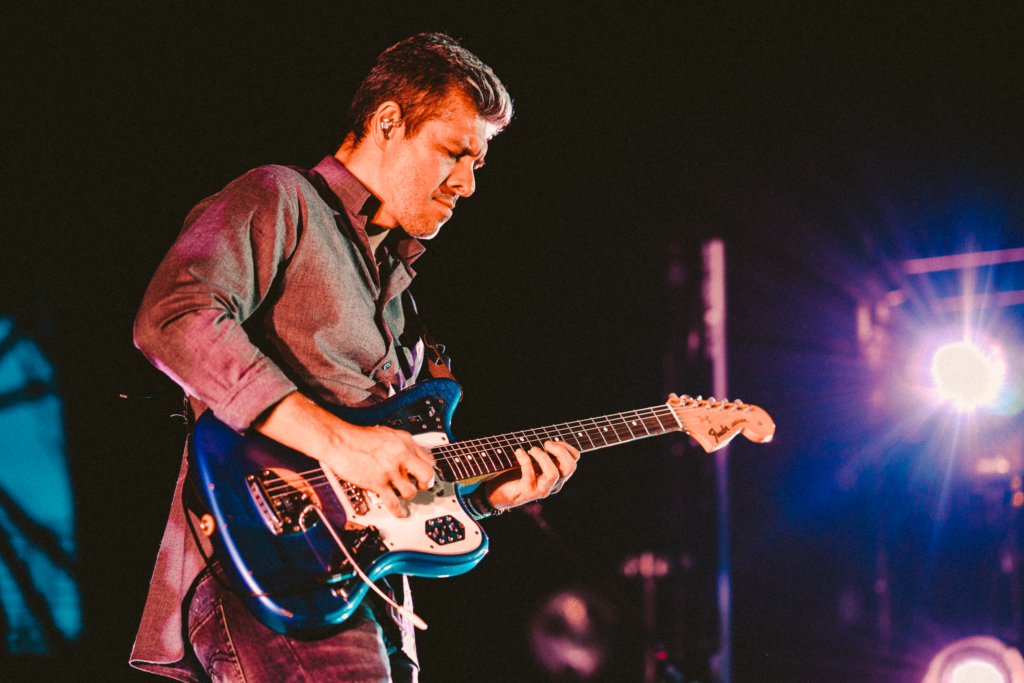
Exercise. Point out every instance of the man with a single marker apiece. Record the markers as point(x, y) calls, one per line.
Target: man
point(287, 290)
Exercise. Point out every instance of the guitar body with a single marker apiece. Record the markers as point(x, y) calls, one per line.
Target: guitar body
point(278, 552)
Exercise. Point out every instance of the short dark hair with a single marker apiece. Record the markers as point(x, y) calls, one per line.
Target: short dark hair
point(420, 74)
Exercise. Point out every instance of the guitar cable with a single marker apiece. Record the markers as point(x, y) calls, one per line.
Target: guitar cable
point(408, 614)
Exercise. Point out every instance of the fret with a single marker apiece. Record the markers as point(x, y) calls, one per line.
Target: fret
point(579, 434)
point(507, 455)
point(538, 437)
point(469, 454)
point(626, 432)
point(495, 451)
point(563, 433)
point(664, 415)
point(550, 434)
point(607, 429)
point(458, 460)
point(635, 425)
point(597, 437)
point(473, 457)
point(673, 419)
point(625, 423)
point(459, 457)
point(521, 440)
point(652, 423)
point(593, 434)
point(451, 459)
point(477, 457)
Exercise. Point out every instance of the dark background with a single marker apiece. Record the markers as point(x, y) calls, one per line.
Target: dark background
point(819, 142)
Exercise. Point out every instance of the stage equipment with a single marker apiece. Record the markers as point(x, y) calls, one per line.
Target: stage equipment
point(978, 659)
point(649, 567)
point(572, 634)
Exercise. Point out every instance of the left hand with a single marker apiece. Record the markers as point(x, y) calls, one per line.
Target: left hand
point(540, 473)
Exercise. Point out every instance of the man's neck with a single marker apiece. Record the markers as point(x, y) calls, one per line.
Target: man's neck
point(356, 159)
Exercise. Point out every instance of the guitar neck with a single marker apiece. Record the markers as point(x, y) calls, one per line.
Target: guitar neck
point(465, 460)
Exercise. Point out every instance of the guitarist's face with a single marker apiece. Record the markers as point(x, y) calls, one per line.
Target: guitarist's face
point(423, 176)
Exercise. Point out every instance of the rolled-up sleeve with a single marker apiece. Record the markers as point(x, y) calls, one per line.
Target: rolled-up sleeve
point(219, 271)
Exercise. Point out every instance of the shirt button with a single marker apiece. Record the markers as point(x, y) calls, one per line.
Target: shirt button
point(386, 365)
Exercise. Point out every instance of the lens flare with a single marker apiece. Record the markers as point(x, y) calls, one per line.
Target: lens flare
point(966, 376)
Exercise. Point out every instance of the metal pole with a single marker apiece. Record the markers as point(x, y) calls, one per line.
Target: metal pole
point(713, 254)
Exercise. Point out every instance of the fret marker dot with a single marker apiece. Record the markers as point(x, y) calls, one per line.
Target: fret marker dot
point(634, 422)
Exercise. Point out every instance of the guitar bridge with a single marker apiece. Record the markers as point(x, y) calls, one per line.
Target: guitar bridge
point(281, 497)
point(356, 496)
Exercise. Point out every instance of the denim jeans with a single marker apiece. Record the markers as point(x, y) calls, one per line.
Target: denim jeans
point(234, 647)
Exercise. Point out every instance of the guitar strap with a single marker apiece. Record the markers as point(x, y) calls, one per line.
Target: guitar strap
point(437, 362)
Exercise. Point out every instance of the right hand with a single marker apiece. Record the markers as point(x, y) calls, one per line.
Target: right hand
point(382, 460)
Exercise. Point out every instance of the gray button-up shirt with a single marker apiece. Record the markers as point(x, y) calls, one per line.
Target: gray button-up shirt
point(269, 288)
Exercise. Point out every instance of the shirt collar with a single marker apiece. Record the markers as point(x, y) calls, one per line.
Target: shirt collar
point(360, 204)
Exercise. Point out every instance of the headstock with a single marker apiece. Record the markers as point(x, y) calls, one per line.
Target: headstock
point(713, 423)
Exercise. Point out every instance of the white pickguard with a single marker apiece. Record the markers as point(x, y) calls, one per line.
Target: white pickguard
point(409, 533)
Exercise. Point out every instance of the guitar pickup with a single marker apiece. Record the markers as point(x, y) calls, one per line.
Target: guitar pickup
point(281, 498)
point(444, 530)
point(396, 423)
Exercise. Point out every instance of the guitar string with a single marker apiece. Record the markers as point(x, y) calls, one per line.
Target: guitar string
point(460, 450)
point(486, 447)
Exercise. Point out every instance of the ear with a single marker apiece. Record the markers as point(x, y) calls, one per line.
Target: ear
point(387, 111)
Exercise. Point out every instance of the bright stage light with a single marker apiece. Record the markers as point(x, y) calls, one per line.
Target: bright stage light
point(976, 671)
point(979, 659)
point(965, 375)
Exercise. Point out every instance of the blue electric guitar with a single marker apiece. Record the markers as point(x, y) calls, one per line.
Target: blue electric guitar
point(301, 545)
